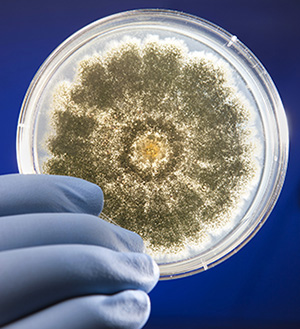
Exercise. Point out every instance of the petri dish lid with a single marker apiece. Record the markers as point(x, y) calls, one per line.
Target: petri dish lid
point(244, 82)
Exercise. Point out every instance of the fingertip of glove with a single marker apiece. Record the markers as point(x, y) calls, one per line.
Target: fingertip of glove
point(137, 298)
point(132, 240)
point(83, 196)
point(94, 197)
point(133, 308)
point(155, 274)
point(145, 270)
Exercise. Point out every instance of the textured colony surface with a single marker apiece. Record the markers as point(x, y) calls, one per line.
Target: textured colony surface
point(163, 131)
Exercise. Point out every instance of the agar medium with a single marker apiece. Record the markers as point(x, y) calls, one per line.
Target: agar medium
point(174, 119)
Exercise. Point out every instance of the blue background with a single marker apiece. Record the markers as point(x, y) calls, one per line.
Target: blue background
point(259, 286)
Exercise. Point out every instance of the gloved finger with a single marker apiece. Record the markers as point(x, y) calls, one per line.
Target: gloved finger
point(30, 230)
point(128, 309)
point(23, 194)
point(34, 278)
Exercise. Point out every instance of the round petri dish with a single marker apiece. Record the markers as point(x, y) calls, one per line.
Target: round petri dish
point(175, 119)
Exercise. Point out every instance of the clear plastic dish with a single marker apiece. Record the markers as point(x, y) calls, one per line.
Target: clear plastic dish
point(154, 156)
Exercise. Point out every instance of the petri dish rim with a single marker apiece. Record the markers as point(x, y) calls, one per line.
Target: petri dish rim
point(275, 127)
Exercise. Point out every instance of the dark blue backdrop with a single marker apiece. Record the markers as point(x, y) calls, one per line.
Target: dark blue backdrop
point(258, 287)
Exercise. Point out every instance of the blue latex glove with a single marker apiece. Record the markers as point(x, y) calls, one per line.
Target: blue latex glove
point(63, 267)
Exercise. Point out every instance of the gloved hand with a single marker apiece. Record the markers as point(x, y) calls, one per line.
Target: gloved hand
point(63, 267)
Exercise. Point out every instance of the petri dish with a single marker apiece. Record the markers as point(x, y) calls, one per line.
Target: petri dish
point(176, 120)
